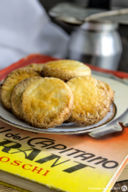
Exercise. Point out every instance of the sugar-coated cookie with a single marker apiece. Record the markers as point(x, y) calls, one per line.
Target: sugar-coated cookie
point(65, 69)
point(47, 102)
point(92, 100)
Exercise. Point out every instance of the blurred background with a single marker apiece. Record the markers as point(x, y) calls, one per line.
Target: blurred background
point(66, 29)
point(115, 61)
point(104, 4)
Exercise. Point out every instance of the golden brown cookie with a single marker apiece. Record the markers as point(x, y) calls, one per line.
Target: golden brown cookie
point(16, 102)
point(65, 69)
point(38, 67)
point(11, 81)
point(92, 99)
point(47, 102)
point(109, 91)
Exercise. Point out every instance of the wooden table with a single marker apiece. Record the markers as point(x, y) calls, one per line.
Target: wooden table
point(7, 189)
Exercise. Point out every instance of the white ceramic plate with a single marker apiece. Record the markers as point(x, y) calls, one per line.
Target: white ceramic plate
point(117, 109)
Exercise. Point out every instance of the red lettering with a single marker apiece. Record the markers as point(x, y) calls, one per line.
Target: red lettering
point(29, 167)
point(16, 163)
point(26, 166)
point(37, 169)
point(47, 171)
point(4, 159)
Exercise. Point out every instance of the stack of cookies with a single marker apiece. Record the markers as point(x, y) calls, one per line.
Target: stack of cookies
point(46, 95)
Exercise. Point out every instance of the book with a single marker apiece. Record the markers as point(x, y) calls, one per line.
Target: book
point(67, 163)
point(124, 174)
point(120, 185)
point(55, 162)
point(122, 182)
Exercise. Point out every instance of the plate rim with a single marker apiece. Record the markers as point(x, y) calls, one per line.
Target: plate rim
point(82, 129)
point(36, 130)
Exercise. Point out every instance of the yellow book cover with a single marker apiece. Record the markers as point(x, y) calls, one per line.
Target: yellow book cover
point(67, 163)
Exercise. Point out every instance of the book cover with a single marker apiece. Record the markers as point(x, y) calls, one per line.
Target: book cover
point(68, 163)
point(74, 163)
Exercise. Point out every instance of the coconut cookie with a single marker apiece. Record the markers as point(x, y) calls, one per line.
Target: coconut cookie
point(91, 100)
point(47, 102)
point(16, 95)
point(65, 69)
point(11, 81)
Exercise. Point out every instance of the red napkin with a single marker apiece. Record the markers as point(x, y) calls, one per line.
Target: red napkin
point(38, 58)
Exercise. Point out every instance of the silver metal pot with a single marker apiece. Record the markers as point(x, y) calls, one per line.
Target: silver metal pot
point(97, 43)
point(121, 17)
